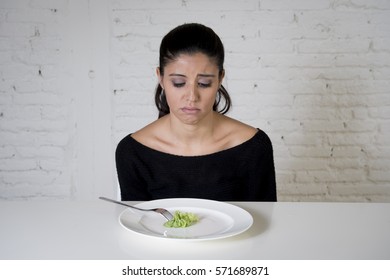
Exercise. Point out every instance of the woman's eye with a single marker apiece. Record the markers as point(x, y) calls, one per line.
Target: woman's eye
point(178, 85)
point(204, 85)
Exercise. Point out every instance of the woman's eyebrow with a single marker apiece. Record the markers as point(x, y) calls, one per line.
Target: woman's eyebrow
point(199, 75)
point(206, 75)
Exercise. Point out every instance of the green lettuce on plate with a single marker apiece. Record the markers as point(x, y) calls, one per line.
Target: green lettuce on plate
point(182, 220)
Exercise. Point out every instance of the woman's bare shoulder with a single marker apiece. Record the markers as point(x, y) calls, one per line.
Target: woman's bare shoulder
point(148, 135)
point(235, 132)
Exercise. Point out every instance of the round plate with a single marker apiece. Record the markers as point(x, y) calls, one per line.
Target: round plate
point(216, 219)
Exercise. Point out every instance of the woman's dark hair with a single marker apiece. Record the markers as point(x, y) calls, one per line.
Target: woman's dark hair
point(191, 38)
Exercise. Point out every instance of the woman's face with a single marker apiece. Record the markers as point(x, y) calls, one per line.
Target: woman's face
point(190, 84)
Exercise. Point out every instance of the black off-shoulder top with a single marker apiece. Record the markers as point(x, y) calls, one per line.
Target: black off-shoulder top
point(242, 173)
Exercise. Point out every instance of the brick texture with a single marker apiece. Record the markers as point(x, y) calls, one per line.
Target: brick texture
point(77, 76)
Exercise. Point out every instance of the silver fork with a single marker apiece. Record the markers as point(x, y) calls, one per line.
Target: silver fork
point(167, 215)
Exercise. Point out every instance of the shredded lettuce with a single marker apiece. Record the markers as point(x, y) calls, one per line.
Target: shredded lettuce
point(182, 220)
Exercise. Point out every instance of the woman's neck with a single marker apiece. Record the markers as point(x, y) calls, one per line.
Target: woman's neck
point(192, 138)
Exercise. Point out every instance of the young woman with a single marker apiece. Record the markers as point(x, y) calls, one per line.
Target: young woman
point(193, 150)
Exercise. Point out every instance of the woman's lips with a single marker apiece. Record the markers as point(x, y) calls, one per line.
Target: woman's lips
point(190, 110)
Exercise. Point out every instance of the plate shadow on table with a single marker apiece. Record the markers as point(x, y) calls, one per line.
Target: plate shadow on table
point(259, 226)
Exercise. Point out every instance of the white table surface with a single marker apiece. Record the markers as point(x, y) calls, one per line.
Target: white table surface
point(90, 230)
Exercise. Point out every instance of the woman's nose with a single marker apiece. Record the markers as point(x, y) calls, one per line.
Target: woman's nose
point(192, 94)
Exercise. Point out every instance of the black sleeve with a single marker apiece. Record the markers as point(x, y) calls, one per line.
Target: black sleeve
point(261, 180)
point(132, 185)
point(268, 184)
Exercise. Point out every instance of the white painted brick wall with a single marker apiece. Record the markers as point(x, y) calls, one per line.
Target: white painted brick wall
point(77, 76)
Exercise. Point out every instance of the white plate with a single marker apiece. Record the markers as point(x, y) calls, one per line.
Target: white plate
point(217, 219)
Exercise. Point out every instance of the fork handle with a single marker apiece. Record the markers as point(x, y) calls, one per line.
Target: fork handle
point(120, 203)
